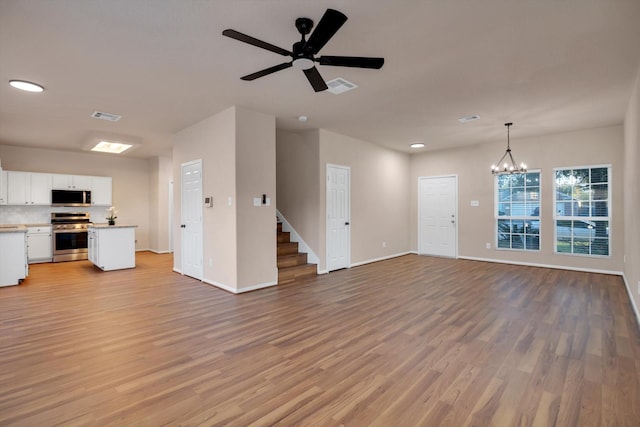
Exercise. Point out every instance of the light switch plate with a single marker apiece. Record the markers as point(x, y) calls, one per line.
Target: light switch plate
point(257, 201)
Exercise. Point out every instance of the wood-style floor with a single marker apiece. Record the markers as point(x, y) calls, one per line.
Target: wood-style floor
point(413, 341)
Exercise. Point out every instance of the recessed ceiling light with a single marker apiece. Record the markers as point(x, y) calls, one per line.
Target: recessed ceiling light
point(24, 85)
point(417, 145)
point(303, 118)
point(111, 147)
point(466, 119)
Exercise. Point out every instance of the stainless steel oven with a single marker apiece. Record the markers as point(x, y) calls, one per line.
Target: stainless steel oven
point(70, 235)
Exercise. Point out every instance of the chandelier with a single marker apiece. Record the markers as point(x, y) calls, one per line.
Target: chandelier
point(506, 167)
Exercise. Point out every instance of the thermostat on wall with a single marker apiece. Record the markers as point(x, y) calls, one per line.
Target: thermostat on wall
point(208, 201)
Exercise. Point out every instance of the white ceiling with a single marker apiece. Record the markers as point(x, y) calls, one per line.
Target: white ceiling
point(547, 65)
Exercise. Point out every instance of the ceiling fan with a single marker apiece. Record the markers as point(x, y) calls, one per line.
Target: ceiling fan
point(302, 52)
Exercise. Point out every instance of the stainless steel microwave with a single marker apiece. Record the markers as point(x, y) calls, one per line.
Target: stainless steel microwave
point(70, 198)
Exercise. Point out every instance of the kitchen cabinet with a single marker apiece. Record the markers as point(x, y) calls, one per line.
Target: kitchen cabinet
point(28, 188)
point(13, 262)
point(39, 246)
point(101, 190)
point(112, 247)
point(71, 182)
point(3, 187)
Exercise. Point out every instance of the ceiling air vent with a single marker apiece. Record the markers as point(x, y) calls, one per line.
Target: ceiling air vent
point(340, 85)
point(106, 116)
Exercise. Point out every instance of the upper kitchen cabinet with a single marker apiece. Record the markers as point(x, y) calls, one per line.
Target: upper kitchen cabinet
point(28, 188)
point(71, 182)
point(3, 187)
point(101, 190)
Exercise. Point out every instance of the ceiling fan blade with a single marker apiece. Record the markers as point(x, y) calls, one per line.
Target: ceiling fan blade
point(329, 24)
point(266, 71)
point(255, 42)
point(351, 61)
point(316, 80)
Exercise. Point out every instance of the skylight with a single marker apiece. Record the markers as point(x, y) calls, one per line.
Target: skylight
point(111, 147)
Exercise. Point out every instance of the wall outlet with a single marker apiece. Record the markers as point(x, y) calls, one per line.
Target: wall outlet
point(384, 244)
point(488, 245)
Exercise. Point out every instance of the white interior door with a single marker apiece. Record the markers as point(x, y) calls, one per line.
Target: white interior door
point(338, 217)
point(438, 222)
point(191, 224)
point(170, 207)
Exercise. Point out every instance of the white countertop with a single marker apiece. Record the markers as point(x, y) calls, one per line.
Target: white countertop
point(13, 228)
point(105, 225)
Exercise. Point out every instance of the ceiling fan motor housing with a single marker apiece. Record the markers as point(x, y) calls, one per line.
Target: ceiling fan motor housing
point(304, 25)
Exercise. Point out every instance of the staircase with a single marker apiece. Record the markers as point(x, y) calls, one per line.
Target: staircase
point(292, 265)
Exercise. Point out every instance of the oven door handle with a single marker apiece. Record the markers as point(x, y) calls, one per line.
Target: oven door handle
point(69, 231)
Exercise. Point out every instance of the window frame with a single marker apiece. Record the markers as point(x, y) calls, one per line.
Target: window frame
point(589, 218)
point(525, 218)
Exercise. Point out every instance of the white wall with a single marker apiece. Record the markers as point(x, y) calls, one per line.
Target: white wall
point(379, 196)
point(476, 225)
point(237, 148)
point(160, 175)
point(631, 193)
point(379, 192)
point(255, 176)
point(213, 141)
point(298, 183)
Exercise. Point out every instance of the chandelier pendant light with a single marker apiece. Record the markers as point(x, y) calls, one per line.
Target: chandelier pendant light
point(507, 164)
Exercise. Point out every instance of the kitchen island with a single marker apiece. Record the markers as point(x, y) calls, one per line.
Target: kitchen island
point(13, 254)
point(112, 247)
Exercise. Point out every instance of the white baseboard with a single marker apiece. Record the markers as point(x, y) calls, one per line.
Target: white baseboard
point(239, 290)
point(158, 252)
point(369, 261)
point(229, 288)
point(532, 264)
point(633, 301)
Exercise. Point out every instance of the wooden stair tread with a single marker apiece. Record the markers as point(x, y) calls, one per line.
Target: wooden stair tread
point(289, 274)
point(292, 259)
point(287, 248)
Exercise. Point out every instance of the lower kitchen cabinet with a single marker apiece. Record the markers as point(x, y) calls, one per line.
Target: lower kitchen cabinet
point(39, 247)
point(112, 247)
point(13, 261)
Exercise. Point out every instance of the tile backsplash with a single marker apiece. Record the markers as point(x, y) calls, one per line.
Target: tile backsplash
point(10, 214)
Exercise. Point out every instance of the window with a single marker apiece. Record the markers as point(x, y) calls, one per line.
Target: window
point(582, 209)
point(518, 211)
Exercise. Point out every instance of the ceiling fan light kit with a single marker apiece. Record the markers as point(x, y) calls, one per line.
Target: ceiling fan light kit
point(506, 167)
point(303, 52)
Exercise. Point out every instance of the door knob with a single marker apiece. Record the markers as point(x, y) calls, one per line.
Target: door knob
point(346, 223)
point(183, 226)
